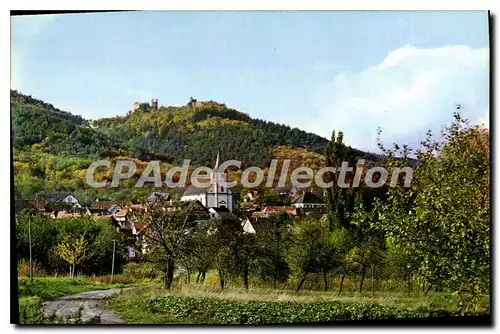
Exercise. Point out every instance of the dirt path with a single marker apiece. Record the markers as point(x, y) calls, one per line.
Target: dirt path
point(91, 301)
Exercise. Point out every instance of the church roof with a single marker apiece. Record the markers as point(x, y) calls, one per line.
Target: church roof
point(193, 190)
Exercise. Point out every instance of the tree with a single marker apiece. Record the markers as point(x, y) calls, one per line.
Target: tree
point(236, 250)
point(169, 228)
point(367, 252)
point(339, 200)
point(341, 240)
point(363, 257)
point(443, 219)
point(308, 249)
point(401, 265)
point(74, 252)
point(272, 245)
point(199, 251)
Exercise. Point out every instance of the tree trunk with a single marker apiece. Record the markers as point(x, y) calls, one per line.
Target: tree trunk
point(428, 289)
point(373, 282)
point(245, 277)
point(362, 279)
point(169, 274)
point(198, 277)
point(301, 282)
point(341, 283)
point(165, 280)
point(203, 277)
point(325, 281)
point(221, 279)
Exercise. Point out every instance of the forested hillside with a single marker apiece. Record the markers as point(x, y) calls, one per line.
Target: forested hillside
point(196, 132)
point(53, 148)
point(35, 122)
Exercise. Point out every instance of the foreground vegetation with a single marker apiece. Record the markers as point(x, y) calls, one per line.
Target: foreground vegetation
point(208, 304)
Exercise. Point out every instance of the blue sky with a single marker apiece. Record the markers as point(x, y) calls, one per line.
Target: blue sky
point(319, 71)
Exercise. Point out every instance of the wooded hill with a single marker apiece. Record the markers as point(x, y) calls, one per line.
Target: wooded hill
point(52, 148)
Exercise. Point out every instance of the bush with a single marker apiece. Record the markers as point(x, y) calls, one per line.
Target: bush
point(140, 270)
point(220, 311)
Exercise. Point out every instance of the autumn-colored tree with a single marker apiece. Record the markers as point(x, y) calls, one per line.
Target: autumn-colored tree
point(74, 252)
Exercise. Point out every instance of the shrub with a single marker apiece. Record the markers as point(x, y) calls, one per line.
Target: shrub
point(140, 270)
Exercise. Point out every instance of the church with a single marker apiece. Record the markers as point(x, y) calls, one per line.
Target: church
point(214, 196)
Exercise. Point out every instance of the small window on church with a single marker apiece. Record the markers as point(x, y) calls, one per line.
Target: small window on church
point(222, 189)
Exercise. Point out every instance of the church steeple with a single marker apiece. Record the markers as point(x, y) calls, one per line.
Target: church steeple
point(217, 162)
point(216, 175)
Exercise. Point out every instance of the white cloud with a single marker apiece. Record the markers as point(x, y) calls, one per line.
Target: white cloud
point(410, 91)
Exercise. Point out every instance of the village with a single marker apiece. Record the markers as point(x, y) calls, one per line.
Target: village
point(213, 202)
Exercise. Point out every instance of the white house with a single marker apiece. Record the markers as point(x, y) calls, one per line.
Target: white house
point(215, 195)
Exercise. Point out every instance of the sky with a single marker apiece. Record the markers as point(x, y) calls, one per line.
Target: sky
point(319, 71)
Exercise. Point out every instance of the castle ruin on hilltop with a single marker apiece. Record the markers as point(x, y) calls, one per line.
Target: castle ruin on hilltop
point(146, 107)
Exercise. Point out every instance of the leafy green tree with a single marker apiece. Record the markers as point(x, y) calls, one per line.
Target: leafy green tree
point(401, 265)
point(272, 246)
point(341, 241)
point(443, 219)
point(199, 251)
point(236, 251)
point(309, 246)
point(339, 200)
